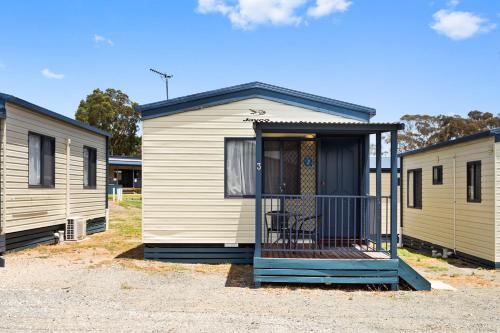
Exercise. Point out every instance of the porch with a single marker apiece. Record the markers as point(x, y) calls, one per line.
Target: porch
point(316, 221)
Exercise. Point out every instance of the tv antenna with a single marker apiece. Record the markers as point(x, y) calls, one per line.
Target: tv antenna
point(164, 76)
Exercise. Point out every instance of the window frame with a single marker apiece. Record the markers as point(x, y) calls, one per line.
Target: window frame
point(42, 169)
point(94, 185)
point(231, 196)
point(477, 185)
point(437, 181)
point(414, 189)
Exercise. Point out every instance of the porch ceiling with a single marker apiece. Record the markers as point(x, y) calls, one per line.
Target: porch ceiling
point(326, 127)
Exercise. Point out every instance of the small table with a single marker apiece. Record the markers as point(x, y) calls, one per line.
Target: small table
point(280, 223)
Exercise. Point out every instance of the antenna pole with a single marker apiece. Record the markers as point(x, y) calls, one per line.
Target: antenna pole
point(164, 76)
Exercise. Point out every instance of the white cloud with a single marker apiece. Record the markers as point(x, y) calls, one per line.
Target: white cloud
point(98, 39)
point(326, 7)
point(51, 75)
point(453, 3)
point(247, 14)
point(459, 25)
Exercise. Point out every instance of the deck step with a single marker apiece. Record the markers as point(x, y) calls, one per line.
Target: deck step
point(412, 277)
point(342, 271)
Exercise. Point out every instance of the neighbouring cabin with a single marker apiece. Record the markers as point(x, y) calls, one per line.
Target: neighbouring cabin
point(53, 168)
point(125, 172)
point(451, 198)
point(266, 175)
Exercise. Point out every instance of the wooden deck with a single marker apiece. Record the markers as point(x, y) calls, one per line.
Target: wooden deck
point(334, 253)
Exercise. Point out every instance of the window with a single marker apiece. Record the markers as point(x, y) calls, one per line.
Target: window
point(239, 167)
point(89, 167)
point(41, 160)
point(281, 167)
point(474, 181)
point(437, 175)
point(414, 189)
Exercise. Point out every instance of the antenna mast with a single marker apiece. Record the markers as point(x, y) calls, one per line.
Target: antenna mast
point(164, 76)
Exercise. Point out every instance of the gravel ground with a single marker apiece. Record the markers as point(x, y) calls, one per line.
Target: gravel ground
point(102, 285)
point(39, 293)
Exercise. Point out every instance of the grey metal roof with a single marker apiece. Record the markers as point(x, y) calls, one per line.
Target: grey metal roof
point(125, 160)
point(35, 108)
point(386, 163)
point(495, 132)
point(251, 90)
point(364, 127)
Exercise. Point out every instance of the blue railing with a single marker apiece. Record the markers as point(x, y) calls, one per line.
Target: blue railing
point(319, 223)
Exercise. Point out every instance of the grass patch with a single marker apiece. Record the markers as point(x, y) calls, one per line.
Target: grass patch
point(131, 201)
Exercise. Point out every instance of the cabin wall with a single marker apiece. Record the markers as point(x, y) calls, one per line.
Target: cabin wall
point(29, 208)
point(468, 227)
point(497, 202)
point(386, 203)
point(183, 172)
point(2, 175)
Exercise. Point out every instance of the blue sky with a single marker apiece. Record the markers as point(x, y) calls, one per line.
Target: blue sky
point(399, 57)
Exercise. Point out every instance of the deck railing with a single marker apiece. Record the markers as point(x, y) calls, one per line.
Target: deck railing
point(318, 223)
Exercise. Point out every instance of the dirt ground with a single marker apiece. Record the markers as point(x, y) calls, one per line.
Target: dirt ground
point(102, 284)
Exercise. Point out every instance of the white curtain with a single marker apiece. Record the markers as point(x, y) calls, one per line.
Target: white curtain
point(34, 153)
point(85, 166)
point(240, 167)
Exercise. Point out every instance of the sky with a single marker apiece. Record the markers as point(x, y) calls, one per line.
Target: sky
point(400, 57)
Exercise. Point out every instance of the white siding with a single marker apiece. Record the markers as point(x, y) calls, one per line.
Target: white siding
point(497, 202)
point(28, 208)
point(474, 222)
point(183, 172)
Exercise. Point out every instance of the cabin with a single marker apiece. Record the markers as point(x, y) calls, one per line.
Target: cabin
point(264, 175)
point(125, 172)
point(451, 198)
point(53, 168)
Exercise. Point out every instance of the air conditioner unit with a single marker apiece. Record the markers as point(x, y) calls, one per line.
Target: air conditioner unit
point(76, 229)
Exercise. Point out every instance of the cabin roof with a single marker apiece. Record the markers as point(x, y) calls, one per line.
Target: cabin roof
point(38, 109)
point(495, 132)
point(125, 161)
point(255, 90)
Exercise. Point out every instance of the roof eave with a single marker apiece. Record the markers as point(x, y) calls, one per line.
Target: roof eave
point(255, 90)
point(35, 108)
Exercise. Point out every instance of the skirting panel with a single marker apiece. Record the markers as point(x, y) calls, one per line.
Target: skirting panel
point(28, 238)
point(96, 225)
point(2, 243)
point(418, 244)
point(341, 271)
point(199, 253)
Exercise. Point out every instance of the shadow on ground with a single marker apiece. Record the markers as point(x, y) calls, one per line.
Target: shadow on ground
point(134, 253)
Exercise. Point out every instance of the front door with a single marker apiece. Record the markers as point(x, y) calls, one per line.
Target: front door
point(340, 176)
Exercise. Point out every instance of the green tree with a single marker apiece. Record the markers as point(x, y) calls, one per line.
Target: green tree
point(424, 130)
point(114, 112)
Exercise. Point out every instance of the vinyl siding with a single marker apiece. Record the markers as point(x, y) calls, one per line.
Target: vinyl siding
point(434, 223)
point(2, 175)
point(497, 202)
point(386, 203)
point(183, 172)
point(29, 208)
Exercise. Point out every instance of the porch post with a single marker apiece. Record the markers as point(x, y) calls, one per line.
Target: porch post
point(378, 182)
point(394, 189)
point(258, 192)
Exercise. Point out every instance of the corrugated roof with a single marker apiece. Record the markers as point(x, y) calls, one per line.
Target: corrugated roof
point(495, 132)
point(35, 108)
point(254, 90)
point(125, 160)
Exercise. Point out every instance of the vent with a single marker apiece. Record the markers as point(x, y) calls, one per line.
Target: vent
point(76, 229)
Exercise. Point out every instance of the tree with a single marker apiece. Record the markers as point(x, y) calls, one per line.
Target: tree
point(424, 130)
point(113, 112)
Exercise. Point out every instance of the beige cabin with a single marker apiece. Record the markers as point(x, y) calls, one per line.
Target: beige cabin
point(190, 145)
point(451, 198)
point(53, 168)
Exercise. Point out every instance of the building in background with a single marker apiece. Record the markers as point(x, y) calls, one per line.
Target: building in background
point(125, 172)
point(53, 169)
point(451, 197)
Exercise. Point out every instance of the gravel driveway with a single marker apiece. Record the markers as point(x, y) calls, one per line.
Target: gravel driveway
point(101, 288)
point(56, 295)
